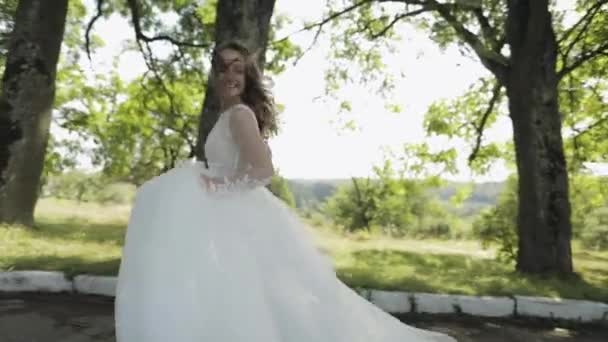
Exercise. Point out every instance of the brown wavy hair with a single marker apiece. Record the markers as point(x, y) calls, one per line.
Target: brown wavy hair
point(255, 94)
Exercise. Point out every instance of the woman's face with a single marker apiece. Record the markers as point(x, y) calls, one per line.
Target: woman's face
point(230, 74)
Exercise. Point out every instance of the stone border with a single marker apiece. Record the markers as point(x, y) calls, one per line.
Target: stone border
point(394, 302)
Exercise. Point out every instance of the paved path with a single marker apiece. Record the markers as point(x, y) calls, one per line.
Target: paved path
point(77, 318)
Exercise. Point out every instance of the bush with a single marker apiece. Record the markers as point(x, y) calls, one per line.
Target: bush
point(116, 193)
point(395, 205)
point(84, 187)
point(74, 185)
point(595, 235)
point(498, 225)
point(318, 219)
point(588, 195)
point(280, 188)
point(352, 206)
point(361, 235)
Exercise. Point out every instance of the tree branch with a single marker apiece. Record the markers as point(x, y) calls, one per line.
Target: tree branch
point(584, 57)
point(87, 35)
point(585, 20)
point(313, 43)
point(319, 25)
point(581, 132)
point(489, 57)
point(486, 29)
point(484, 119)
point(139, 35)
point(396, 19)
point(493, 60)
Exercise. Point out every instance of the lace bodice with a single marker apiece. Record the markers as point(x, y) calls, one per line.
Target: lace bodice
point(221, 150)
point(235, 151)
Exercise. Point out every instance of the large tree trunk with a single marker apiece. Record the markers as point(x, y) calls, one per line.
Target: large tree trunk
point(28, 91)
point(544, 208)
point(247, 21)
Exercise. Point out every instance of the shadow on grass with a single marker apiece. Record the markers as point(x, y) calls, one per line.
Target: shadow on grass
point(70, 265)
point(591, 256)
point(401, 270)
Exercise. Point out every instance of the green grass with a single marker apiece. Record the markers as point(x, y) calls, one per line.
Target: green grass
point(87, 238)
point(457, 267)
point(69, 237)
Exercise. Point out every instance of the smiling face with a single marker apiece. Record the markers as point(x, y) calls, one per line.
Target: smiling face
point(230, 73)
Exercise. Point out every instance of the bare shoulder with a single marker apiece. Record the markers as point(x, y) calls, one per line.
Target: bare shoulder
point(242, 113)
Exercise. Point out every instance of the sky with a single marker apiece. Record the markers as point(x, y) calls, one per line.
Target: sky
point(312, 143)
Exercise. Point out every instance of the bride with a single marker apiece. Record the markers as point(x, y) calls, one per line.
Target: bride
point(211, 255)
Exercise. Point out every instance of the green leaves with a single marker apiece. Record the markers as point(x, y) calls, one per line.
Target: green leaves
point(280, 188)
point(390, 202)
point(589, 199)
point(7, 13)
point(584, 107)
point(359, 37)
point(137, 130)
point(281, 51)
point(478, 28)
point(498, 225)
point(152, 130)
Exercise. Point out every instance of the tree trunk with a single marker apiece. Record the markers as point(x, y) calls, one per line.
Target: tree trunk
point(26, 102)
point(247, 21)
point(544, 226)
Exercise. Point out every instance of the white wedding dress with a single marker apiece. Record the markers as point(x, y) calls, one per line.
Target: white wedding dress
point(234, 264)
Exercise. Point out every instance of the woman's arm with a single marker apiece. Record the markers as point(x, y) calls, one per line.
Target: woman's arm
point(254, 153)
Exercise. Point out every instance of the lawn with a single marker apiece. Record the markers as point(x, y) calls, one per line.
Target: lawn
point(87, 238)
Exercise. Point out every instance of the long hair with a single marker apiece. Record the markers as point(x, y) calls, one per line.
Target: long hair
point(255, 94)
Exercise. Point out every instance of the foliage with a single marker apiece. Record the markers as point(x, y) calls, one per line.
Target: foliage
point(139, 130)
point(590, 210)
point(352, 206)
point(596, 234)
point(588, 195)
point(58, 158)
point(86, 187)
point(398, 206)
point(7, 13)
point(62, 153)
point(142, 128)
point(497, 226)
point(361, 31)
point(280, 188)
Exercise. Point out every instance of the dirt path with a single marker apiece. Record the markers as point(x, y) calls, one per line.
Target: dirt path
point(77, 318)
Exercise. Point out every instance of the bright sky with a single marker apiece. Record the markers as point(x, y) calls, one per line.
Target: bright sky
point(311, 144)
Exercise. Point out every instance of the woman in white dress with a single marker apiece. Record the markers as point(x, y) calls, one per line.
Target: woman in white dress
point(211, 255)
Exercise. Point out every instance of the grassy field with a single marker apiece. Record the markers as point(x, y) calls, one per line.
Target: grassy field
point(87, 238)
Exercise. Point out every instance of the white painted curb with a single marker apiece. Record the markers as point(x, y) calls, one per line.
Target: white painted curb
point(486, 306)
point(567, 309)
point(99, 285)
point(395, 302)
point(392, 301)
point(43, 281)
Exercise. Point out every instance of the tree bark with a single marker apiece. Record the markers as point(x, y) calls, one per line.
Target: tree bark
point(247, 21)
point(544, 225)
point(28, 92)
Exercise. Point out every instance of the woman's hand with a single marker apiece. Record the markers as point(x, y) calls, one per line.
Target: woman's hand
point(207, 182)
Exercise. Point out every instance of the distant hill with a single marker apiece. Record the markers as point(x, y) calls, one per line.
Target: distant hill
point(483, 195)
point(309, 193)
